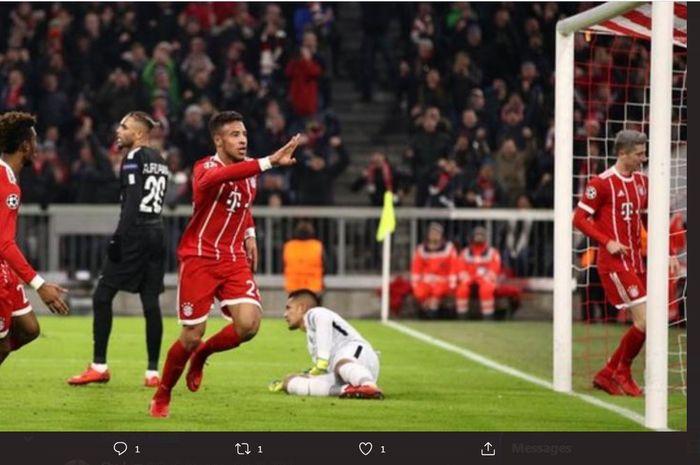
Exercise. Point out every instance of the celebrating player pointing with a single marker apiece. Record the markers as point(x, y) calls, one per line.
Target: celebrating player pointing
point(18, 324)
point(612, 212)
point(218, 254)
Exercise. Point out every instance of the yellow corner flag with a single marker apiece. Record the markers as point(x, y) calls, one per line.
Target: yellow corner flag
point(387, 223)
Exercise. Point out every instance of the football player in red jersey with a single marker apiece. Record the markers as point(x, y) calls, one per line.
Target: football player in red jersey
point(612, 211)
point(18, 324)
point(218, 254)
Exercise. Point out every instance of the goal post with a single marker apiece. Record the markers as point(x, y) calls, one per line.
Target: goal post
point(662, 39)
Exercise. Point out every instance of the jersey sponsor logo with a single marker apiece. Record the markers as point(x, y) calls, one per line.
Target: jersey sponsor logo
point(591, 193)
point(233, 201)
point(633, 291)
point(187, 309)
point(12, 201)
point(626, 210)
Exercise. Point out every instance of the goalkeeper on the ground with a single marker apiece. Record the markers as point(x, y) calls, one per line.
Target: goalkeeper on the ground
point(344, 363)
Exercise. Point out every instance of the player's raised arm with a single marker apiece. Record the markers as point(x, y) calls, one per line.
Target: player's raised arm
point(230, 138)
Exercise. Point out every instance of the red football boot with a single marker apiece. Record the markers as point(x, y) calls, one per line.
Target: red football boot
point(160, 405)
point(88, 376)
point(366, 391)
point(623, 377)
point(604, 381)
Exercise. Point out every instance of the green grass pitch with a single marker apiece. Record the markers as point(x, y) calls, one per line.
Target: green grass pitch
point(427, 388)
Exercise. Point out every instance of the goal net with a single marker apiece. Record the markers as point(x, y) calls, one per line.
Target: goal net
point(612, 62)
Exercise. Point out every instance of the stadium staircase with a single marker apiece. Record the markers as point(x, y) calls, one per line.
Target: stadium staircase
point(365, 126)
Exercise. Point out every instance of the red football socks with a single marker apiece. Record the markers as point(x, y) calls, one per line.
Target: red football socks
point(225, 339)
point(633, 340)
point(630, 345)
point(174, 366)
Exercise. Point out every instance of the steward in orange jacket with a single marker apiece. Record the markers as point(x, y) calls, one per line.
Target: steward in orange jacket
point(303, 260)
point(481, 264)
point(432, 273)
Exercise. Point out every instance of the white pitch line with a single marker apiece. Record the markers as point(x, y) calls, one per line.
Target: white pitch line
point(480, 359)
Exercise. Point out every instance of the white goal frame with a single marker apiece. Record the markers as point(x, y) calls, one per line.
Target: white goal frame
point(656, 374)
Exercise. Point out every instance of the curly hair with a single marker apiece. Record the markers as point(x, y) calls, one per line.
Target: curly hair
point(15, 128)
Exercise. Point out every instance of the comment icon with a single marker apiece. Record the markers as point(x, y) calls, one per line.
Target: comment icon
point(120, 447)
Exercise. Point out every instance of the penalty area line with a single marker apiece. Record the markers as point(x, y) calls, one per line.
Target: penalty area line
point(510, 371)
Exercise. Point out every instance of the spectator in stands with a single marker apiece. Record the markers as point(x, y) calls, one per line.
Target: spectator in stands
point(378, 178)
point(426, 148)
point(192, 137)
point(478, 265)
point(485, 191)
point(465, 77)
point(511, 167)
point(303, 74)
point(432, 93)
point(53, 108)
point(116, 97)
point(432, 271)
point(303, 260)
point(444, 184)
point(14, 94)
point(310, 42)
point(272, 44)
point(161, 74)
point(314, 175)
point(517, 252)
point(89, 173)
point(197, 59)
point(47, 177)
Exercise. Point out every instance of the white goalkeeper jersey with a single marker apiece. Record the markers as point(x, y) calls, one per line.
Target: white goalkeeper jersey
point(327, 332)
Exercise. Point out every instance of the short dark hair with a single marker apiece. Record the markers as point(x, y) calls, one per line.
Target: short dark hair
point(627, 139)
point(15, 128)
point(306, 293)
point(143, 118)
point(221, 118)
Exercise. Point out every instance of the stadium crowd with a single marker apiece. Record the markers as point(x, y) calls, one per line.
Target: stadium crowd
point(81, 67)
point(474, 82)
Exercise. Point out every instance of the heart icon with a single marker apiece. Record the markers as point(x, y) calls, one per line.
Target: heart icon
point(365, 448)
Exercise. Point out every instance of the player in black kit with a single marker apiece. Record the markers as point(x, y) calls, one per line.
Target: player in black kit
point(136, 253)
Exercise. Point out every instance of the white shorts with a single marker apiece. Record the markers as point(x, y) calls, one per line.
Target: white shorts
point(360, 351)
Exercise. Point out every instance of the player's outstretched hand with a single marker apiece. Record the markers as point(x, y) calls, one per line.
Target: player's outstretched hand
point(52, 295)
point(616, 248)
point(285, 155)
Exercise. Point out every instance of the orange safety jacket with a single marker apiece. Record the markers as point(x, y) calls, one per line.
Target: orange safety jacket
point(303, 265)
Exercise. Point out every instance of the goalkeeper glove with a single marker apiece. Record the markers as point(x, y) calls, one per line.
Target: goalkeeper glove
point(320, 368)
point(276, 386)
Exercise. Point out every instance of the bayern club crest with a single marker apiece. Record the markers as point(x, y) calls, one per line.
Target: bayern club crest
point(187, 309)
point(12, 201)
point(591, 193)
point(633, 291)
point(641, 190)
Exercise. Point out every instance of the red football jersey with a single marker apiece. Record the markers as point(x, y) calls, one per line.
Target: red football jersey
point(221, 220)
point(10, 196)
point(616, 204)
